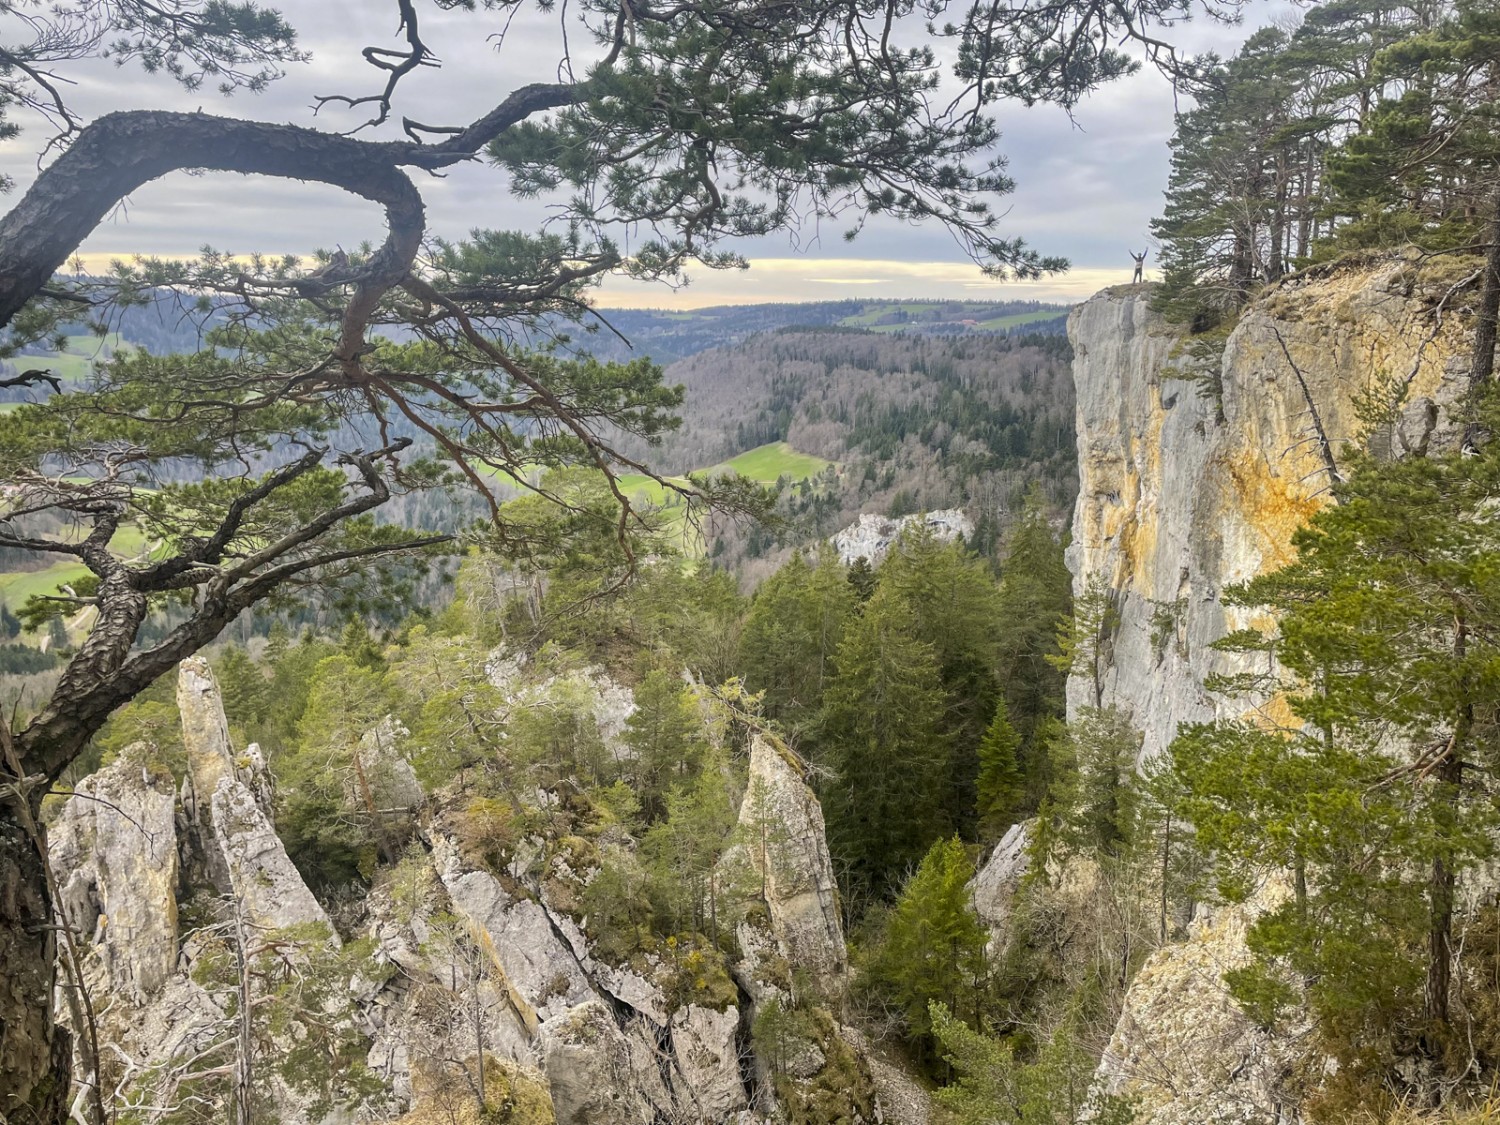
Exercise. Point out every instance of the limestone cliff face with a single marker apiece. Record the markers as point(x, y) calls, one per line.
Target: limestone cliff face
point(1181, 496)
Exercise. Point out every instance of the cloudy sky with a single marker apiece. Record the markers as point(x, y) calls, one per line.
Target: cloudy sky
point(1087, 188)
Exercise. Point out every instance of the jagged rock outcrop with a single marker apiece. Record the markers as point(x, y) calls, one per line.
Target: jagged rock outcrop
point(210, 760)
point(784, 862)
point(205, 731)
point(268, 888)
point(1181, 496)
point(1183, 1050)
point(707, 1047)
point(609, 702)
point(870, 537)
point(996, 884)
point(466, 952)
point(114, 854)
point(387, 772)
point(589, 1068)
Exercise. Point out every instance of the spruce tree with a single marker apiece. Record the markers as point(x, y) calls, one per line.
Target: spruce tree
point(1035, 602)
point(954, 605)
point(1002, 787)
point(934, 943)
point(890, 761)
point(664, 737)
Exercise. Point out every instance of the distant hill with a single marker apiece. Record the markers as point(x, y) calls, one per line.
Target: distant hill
point(668, 335)
point(919, 404)
point(664, 335)
point(913, 422)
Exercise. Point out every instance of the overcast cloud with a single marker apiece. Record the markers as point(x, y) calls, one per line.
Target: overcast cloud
point(1087, 189)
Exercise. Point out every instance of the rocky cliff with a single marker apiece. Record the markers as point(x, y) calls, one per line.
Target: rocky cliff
point(1194, 476)
point(455, 968)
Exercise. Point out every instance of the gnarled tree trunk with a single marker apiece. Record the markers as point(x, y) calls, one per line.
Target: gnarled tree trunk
point(34, 1052)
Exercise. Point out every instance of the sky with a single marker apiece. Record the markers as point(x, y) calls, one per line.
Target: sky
point(1087, 188)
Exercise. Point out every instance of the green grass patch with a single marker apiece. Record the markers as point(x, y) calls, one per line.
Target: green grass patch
point(769, 463)
point(18, 585)
point(872, 313)
point(76, 364)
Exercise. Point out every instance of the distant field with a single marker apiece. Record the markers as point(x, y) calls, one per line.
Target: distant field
point(1016, 320)
point(769, 463)
point(18, 585)
point(869, 317)
point(765, 464)
point(77, 363)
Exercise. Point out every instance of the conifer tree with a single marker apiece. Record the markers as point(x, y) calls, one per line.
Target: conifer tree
point(790, 643)
point(1002, 787)
point(1378, 801)
point(954, 605)
point(885, 746)
point(664, 737)
point(1035, 601)
point(935, 942)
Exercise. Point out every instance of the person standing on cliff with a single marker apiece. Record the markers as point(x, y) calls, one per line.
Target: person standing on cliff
point(1140, 265)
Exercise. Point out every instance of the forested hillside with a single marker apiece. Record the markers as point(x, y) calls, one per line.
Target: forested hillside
point(913, 422)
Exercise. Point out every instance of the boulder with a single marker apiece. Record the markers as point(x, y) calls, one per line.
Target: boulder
point(706, 1048)
point(587, 1060)
point(1183, 1050)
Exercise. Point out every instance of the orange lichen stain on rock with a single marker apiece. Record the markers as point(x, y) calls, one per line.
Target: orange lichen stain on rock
point(1138, 537)
point(1277, 714)
point(1274, 506)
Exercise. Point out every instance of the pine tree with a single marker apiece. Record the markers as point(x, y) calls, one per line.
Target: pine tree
point(1002, 787)
point(1386, 650)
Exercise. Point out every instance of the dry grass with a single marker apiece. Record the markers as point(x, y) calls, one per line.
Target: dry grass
point(1484, 1113)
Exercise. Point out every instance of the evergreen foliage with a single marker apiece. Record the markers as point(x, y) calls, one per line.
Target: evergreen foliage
point(933, 947)
point(1370, 125)
point(1380, 796)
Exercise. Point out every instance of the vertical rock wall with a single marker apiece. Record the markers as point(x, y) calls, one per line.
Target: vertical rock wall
point(1182, 494)
point(1179, 498)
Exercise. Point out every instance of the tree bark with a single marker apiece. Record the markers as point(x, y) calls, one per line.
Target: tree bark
point(1482, 366)
point(35, 1053)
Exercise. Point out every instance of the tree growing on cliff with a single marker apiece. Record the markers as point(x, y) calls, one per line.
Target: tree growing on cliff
point(1381, 794)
